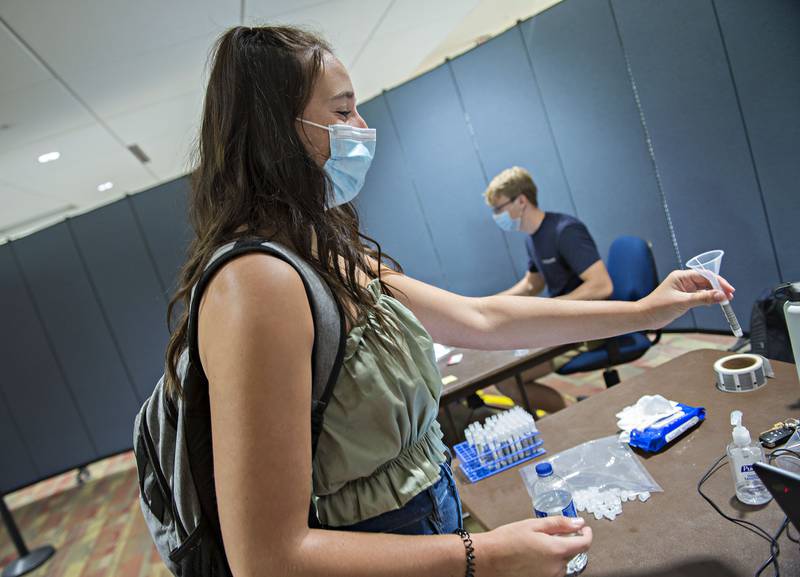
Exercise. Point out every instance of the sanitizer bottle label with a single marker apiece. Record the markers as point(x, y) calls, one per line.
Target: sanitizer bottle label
point(746, 473)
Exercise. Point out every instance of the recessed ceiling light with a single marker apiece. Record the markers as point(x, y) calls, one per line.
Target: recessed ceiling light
point(49, 157)
point(105, 186)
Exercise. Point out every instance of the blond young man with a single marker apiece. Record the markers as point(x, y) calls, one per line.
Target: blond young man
point(561, 253)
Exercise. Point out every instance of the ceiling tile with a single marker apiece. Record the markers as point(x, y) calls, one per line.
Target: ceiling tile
point(22, 207)
point(70, 34)
point(143, 78)
point(391, 58)
point(446, 14)
point(89, 156)
point(38, 111)
point(17, 68)
point(345, 24)
point(165, 131)
point(257, 11)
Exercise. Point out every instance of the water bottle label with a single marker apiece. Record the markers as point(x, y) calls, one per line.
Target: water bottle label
point(568, 511)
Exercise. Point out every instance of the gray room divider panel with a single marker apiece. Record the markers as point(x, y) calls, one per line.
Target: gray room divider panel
point(581, 71)
point(690, 107)
point(504, 108)
point(389, 207)
point(77, 327)
point(128, 289)
point(161, 214)
point(449, 180)
point(763, 43)
point(32, 382)
point(16, 466)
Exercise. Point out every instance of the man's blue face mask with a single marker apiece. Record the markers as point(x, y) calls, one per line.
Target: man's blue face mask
point(507, 223)
point(352, 150)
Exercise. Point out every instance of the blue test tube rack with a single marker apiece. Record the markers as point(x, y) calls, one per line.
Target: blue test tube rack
point(477, 467)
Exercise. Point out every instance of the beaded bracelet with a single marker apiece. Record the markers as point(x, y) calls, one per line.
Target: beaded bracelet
point(470, 551)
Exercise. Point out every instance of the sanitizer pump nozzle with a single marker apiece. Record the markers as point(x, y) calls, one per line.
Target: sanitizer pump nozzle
point(741, 436)
point(742, 453)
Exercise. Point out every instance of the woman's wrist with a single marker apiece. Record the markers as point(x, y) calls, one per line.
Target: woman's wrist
point(644, 314)
point(469, 552)
point(484, 554)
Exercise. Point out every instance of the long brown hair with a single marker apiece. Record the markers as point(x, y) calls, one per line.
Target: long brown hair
point(253, 173)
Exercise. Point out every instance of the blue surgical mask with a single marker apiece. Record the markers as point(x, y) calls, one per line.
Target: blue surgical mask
point(507, 223)
point(352, 150)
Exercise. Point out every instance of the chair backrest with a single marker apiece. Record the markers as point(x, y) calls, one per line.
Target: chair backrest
point(632, 268)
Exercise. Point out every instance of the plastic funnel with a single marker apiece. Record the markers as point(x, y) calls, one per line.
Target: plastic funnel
point(708, 264)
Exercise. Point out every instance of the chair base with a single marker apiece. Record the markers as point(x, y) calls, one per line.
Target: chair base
point(611, 377)
point(29, 562)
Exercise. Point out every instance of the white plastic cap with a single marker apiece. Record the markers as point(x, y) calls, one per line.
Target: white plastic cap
point(736, 418)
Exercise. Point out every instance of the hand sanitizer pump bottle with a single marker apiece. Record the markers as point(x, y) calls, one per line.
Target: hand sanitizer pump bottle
point(742, 453)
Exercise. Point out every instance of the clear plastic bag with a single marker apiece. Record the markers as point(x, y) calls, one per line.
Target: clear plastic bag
point(603, 464)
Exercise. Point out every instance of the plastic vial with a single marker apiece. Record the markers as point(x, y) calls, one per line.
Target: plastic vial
point(552, 497)
point(742, 453)
point(730, 316)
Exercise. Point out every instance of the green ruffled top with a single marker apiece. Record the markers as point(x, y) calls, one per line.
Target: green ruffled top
point(381, 444)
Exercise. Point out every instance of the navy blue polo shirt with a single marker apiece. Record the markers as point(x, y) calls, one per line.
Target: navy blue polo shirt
point(561, 250)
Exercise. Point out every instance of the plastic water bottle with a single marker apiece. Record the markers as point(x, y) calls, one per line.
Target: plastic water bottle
point(552, 497)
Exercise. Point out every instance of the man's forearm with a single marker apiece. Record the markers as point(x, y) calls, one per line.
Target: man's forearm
point(588, 291)
point(521, 289)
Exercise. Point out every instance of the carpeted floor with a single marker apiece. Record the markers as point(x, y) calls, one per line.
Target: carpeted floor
point(671, 346)
point(97, 528)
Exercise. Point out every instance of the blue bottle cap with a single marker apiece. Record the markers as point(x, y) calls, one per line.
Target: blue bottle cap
point(544, 469)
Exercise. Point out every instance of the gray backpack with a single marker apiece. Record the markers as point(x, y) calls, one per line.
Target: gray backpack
point(172, 436)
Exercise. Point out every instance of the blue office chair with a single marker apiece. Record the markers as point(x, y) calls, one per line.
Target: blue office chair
point(632, 269)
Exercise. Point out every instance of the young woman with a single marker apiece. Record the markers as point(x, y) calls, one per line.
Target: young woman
point(281, 153)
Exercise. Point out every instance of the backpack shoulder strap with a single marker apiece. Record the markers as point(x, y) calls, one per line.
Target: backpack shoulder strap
point(326, 311)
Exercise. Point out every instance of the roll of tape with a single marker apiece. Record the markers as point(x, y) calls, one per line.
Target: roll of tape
point(742, 373)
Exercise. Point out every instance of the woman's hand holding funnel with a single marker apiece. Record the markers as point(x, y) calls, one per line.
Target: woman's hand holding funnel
point(681, 291)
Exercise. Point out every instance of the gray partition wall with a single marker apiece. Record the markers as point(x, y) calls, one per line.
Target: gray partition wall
point(448, 178)
point(43, 410)
point(679, 65)
point(581, 70)
point(124, 277)
point(389, 205)
point(509, 124)
point(18, 468)
point(759, 44)
point(77, 327)
point(161, 216)
point(83, 305)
